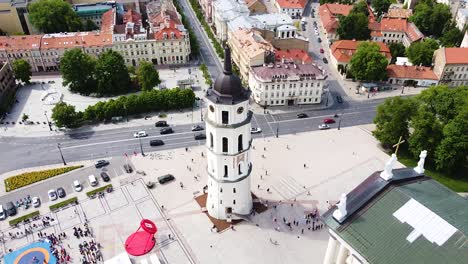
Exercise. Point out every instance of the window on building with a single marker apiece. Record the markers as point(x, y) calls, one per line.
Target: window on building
point(225, 117)
point(240, 146)
point(225, 171)
point(221, 190)
point(211, 140)
point(239, 168)
point(225, 144)
point(234, 190)
point(233, 201)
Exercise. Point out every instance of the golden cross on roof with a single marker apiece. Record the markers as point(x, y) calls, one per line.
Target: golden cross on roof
point(397, 145)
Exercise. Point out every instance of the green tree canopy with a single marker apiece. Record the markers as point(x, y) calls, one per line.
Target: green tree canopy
point(360, 7)
point(53, 16)
point(90, 25)
point(422, 52)
point(392, 120)
point(381, 6)
point(452, 36)
point(22, 70)
point(77, 70)
point(431, 17)
point(354, 26)
point(397, 50)
point(111, 74)
point(148, 77)
point(368, 64)
point(64, 115)
point(427, 132)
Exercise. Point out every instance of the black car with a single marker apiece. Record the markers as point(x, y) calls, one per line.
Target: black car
point(105, 177)
point(10, 209)
point(156, 142)
point(101, 163)
point(325, 60)
point(302, 115)
point(165, 178)
point(339, 99)
point(197, 128)
point(128, 168)
point(200, 136)
point(61, 192)
point(319, 40)
point(161, 124)
point(166, 130)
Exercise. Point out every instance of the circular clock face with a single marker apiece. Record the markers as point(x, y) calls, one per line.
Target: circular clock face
point(211, 108)
point(240, 110)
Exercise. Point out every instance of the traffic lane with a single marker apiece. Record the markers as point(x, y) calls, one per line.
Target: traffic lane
point(65, 181)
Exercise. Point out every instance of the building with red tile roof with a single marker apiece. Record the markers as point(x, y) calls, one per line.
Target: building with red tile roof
point(411, 75)
point(395, 30)
point(293, 8)
point(451, 66)
point(293, 55)
point(329, 18)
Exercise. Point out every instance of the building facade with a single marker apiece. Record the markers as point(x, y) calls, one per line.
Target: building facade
point(395, 30)
point(287, 83)
point(293, 8)
point(464, 43)
point(225, 11)
point(228, 123)
point(329, 14)
point(451, 66)
point(417, 76)
point(7, 82)
point(462, 18)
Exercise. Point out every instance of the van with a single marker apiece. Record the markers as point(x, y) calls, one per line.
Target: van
point(3, 214)
point(11, 209)
point(92, 180)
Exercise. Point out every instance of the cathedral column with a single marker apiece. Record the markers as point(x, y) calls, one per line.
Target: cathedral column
point(342, 254)
point(331, 251)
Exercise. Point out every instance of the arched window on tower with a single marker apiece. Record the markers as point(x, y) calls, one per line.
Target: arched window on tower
point(225, 144)
point(225, 117)
point(225, 171)
point(240, 171)
point(240, 146)
point(211, 140)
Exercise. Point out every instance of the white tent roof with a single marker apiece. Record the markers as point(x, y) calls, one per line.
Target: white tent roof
point(122, 258)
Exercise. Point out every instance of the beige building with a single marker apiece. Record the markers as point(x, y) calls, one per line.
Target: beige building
point(451, 66)
point(14, 17)
point(7, 83)
point(249, 49)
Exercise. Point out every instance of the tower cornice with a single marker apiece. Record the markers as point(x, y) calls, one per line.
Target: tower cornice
point(230, 126)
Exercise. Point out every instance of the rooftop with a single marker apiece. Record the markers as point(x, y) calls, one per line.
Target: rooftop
point(26, 42)
point(108, 21)
point(289, 70)
point(329, 13)
point(456, 55)
point(251, 42)
point(412, 72)
point(77, 39)
point(399, 13)
point(298, 4)
point(296, 55)
point(97, 7)
point(343, 50)
point(407, 219)
point(393, 24)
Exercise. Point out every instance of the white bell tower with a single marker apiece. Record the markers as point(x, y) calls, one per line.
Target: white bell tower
point(228, 144)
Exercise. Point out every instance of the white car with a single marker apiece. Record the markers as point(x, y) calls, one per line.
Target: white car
point(36, 202)
point(323, 126)
point(255, 130)
point(52, 195)
point(140, 134)
point(77, 186)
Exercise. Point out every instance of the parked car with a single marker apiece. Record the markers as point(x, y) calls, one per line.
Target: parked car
point(166, 130)
point(319, 40)
point(77, 186)
point(10, 209)
point(322, 51)
point(165, 178)
point(61, 192)
point(329, 121)
point(325, 60)
point(302, 115)
point(197, 128)
point(128, 168)
point(156, 142)
point(101, 163)
point(339, 99)
point(140, 134)
point(105, 177)
point(36, 202)
point(323, 126)
point(92, 180)
point(161, 123)
point(255, 130)
point(200, 136)
point(3, 213)
point(52, 195)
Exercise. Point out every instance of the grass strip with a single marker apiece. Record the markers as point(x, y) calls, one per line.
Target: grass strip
point(100, 189)
point(22, 218)
point(63, 203)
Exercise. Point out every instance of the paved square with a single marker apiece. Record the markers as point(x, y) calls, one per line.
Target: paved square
point(116, 200)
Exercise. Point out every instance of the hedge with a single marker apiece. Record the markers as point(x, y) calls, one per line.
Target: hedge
point(63, 204)
point(27, 178)
point(194, 46)
point(22, 218)
point(206, 74)
point(100, 189)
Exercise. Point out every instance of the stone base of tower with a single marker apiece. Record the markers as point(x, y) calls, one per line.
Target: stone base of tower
point(222, 225)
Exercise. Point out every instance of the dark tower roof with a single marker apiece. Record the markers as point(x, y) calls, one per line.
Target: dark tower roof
point(228, 86)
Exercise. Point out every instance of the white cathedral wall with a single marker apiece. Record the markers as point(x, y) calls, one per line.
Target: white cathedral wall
point(234, 117)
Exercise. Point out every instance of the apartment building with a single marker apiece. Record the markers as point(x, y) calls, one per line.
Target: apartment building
point(395, 30)
point(7, 82)
point(225, 11)
point(249, 49)
point(417, 76)
point(286, 83)
point(329, 14)
point(451, 66)
point(293, 8)
point(93, 12)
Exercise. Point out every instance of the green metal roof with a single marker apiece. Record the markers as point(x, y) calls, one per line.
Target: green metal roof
point(380, 237)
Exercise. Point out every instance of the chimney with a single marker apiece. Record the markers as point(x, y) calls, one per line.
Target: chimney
point(387, 173)
point(341, 211)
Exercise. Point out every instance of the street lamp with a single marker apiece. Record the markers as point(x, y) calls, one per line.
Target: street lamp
point(48, 123)
point(126, 114)
point(201, 110)
point(61, 154)
point(141, 147)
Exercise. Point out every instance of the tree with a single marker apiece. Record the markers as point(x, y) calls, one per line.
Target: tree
point(64, 115)
point(397, 50)
point(148, 77)
point(422, 52)
point(431, 17)
point(452, 36)
point(354, 26)
point(90, 25)
point(24, 117)
point(53, 16)
point(360, 7)
point(381, 6)
point(22, 70)
point(392, 120)
point(111, 74)
point(368, 64)
point(427, 132)
point(77, 70)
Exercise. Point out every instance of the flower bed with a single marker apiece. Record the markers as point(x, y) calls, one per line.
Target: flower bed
point(27, 178)
point(22, 218)
point(63, 204)
point(100, 189)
